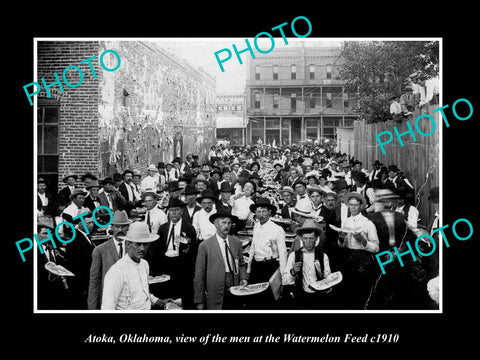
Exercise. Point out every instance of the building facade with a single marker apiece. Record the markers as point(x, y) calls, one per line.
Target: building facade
point(153, 108)
point(296, 95)
point(231, 119)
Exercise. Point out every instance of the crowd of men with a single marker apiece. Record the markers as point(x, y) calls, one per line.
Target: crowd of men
point(310, 212)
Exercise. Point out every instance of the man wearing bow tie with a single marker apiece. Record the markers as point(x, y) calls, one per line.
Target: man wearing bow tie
point(301, 189)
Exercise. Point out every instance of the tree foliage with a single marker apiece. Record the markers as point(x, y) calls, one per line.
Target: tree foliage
point(378, 69)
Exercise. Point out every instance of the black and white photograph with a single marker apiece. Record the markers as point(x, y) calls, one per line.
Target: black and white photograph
point(285, 181)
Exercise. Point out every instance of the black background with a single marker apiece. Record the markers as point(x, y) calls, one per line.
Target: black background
point(419, 334)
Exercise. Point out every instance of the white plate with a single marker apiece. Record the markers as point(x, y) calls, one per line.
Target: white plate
point(57, 269)
point(249, 289)
point(355, 231)
point(158, 279)
point(331, 280)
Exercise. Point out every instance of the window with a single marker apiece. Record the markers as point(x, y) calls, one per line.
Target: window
point(275, 72)
point(329, 71)
point(257, 72)
point(329, 100)
point(312, 71)
point(311, 128)
point(294, 72)
point(257, 100)
point(257, 129)
point(345, 99)
point(275, 100)
point(293, 101)
point(312, 101)
point(47, 143)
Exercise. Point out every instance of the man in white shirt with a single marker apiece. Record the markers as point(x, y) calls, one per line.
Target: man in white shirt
point(154, 217)
point(358, 245)
point(126, 282)
point(306, 266)
point(63, 195)
point(42, 196)
point(150, 181)
point(303, 199)
point(201, 222)
point(77, 198)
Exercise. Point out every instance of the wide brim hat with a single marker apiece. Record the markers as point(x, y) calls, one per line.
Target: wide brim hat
point(263, 202)
point(190, 189)
point(107, 180)
point(303, 209)
point(393, 168)
point(173, 202)
point(340, 185)
point(385, 194)
point(45, 222)
point(309, 226)
point(377, 162)
point(356, 195)
point(278, 164)
point(76, 192)
point(151, 193)
point(152, 167)
point(94, 183)
point(88, 176)
point(120, 217)
point(207, 194)
point(222, 214)
point(299, 181)
point(138, 233)
point(173, 186)
point(69, 176)
point(226, 187)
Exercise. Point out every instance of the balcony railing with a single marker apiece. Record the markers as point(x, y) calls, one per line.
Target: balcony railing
point(296, 82)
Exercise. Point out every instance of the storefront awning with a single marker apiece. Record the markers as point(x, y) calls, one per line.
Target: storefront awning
point(229, 122)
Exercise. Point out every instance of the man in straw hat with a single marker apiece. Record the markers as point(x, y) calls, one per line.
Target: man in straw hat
point(150, 181)
point(105, 255)
point(268, 251)
point(359, 243)
point(126, 282)
point(174, 254)
point(219, 266)
point(63, 195)
point(306, 266)
point(289, 201)
point(205, 229)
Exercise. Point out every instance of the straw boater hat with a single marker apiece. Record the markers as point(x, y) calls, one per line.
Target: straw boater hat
point(263, 202)
point(151, 193)
point(152, 167)
point(120, 217)
point(304, 209)
point(138, 232)
point(357, 196)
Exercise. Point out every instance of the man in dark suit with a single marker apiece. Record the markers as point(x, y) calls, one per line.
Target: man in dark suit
point(43, 198)
point(290, 199)
point(92, 200)
point(127, 190)
point(104, 256)
point(51, 288)
point(190, 192)
point(219, 266)
point(78, 260)
point(174, 254)
point(64, 194)
point(224, 203)
point(111, 197)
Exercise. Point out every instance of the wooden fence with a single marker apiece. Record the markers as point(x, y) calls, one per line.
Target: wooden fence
point(418, 160)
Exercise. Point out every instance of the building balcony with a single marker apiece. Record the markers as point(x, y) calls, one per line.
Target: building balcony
point(293, 83)
point(299, 111)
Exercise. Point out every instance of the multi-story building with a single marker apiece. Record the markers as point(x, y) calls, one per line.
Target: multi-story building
point(295, 95)
point(231, 120)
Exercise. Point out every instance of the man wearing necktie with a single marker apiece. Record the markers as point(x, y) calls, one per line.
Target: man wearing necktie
point(78, 260)
point(220, 251)
point(174, 254)
point(104, 256)
point(300, 188)
point(51, 292)
point(154, 217)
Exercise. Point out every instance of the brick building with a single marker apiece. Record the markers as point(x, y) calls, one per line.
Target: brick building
point(295, 94)
point(152, 108)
